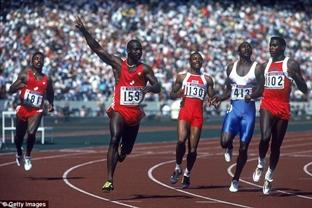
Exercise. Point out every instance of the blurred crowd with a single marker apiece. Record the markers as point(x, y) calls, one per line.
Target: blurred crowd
point(168, 30)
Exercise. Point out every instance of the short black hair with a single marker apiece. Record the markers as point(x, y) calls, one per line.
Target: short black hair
point(133, 41)
point(38, 53)
point(280, 40)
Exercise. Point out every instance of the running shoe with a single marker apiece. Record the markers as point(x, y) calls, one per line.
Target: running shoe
point(186, 182)
point(234, 186)
point(267, 187)
point(257, 174)
point(27, 163)
point(228, 154)
point(19, 160)
point(108, 186)
point(175, 176)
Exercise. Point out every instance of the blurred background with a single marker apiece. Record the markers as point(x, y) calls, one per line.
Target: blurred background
point(168, 30)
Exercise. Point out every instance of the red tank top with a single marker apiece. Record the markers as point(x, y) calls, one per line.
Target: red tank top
point(277, 82)
point(32, 95)
point(128, 90)
point(195, 87)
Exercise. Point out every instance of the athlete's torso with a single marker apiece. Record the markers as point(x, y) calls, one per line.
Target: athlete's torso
point(32, 95)
point(128, 90)
point(242, 85)
point(195, 89)
point(277, 82)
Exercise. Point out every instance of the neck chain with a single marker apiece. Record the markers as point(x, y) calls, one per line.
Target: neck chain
point(130, 66)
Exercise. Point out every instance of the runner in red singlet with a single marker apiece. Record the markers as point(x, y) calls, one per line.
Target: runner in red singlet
point(34, 87)
point(275, 108)
point(131, 77)
point(192, 87)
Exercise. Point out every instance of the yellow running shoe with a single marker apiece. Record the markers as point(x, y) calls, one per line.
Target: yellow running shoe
point(108, 186)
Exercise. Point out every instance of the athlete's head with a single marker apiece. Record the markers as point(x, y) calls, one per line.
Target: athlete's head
point(134, 50)
point(277, 46)
point(37, 60)
point(245, 50)
point(196, 60)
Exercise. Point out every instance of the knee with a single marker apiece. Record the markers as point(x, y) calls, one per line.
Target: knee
point(224, 141)
point(243, 148)
point(114, 142)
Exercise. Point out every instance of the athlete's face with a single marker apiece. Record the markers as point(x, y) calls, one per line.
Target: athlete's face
point(37, 61)
point(245, 50)
point(196, 61)
point(134, 50)
point(276, 48)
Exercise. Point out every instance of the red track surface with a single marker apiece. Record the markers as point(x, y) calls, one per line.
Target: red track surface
point(73, 178)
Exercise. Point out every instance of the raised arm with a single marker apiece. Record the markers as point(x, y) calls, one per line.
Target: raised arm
point(154, 86)
point(50, 95)
point(109, 59)
point(19, 83)
point(295, 73)
point(176, 91)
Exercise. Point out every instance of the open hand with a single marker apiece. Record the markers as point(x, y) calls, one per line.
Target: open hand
point(78, 23)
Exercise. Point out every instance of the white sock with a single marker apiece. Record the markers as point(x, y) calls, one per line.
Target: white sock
point(177, 167)
point(187, 173)
point(261, 162)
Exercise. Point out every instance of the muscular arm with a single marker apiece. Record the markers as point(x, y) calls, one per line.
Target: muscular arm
point(154, 86)
point(176, 91)
point(295, 73)
point(259, 73)
point(227, 87)
point(210, 90)
point(19, 83)
point(109, 59)
point(50, 94)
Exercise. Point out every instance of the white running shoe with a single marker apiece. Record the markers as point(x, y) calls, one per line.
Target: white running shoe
point(27, 163)
point(269, 175)
point(19, 160)
point(257, 174)
point(228, 154)
point(234, 186)
point(267, 187)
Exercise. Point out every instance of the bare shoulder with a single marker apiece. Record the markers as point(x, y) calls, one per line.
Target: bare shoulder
point(293, 64)
point(208, 78)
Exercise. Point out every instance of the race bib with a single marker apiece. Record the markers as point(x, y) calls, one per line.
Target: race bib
point(131, 95)
point(239, 92)
point(274, 81)
point(194, 91)
point(33, 99)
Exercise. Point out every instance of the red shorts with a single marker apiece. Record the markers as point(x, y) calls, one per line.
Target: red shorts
point(131, 116)
point(24, 112)
point(195, 118)
point(277, 108)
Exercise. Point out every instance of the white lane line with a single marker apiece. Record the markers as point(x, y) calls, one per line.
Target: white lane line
point(305, 169)
point(229, 170)
point(150, 175)
point(45, 157)
point(65, 179)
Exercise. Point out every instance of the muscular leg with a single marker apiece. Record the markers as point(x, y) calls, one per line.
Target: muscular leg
point(33, 124)
point(116, 130)
point(226, 140)
point(241, 159)
point(278, 134)
point(128, 138)
point(193, 143)
point(266, 123)
point(183, 133)
point(21, 128)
